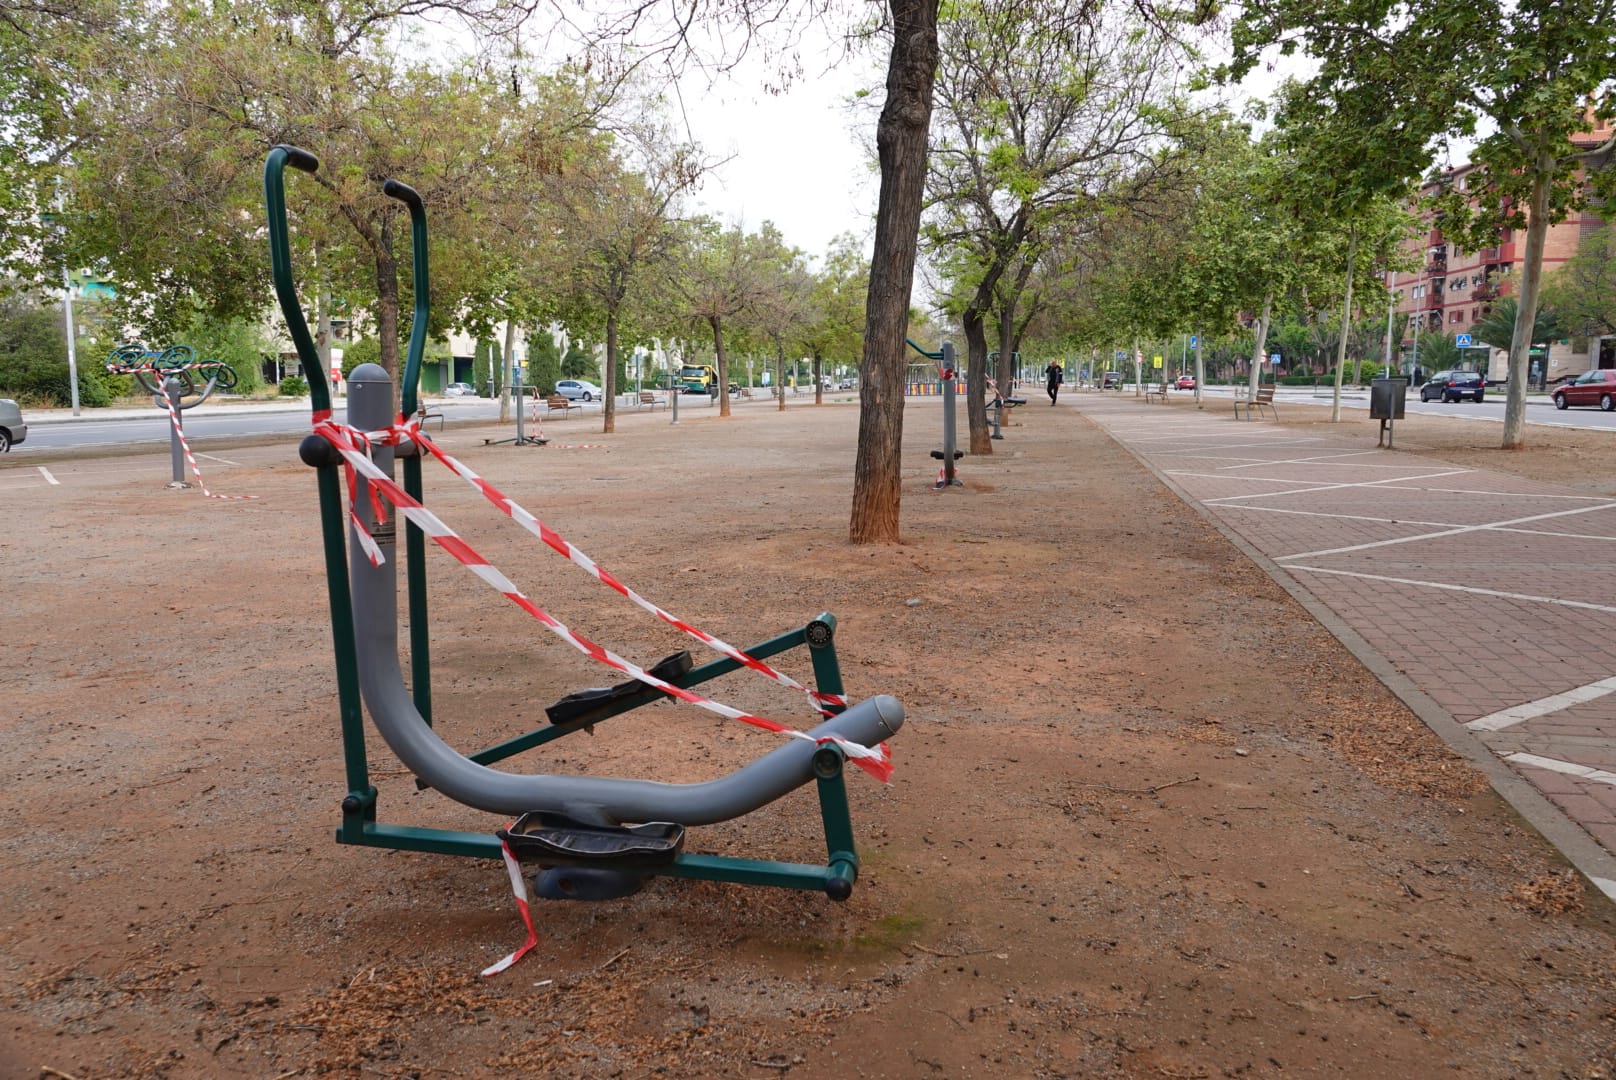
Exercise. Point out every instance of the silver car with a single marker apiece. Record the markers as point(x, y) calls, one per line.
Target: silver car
point(12, 428)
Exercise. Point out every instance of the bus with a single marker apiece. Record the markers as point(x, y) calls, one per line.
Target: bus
point(697, 378)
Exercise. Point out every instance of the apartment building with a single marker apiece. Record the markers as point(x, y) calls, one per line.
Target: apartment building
point(1453, 289)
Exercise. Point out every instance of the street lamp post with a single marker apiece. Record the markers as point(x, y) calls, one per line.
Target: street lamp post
point(72, 352)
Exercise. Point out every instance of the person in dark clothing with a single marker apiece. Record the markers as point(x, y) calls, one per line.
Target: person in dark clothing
point(1053, 379)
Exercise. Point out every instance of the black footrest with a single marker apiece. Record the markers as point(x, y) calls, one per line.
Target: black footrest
point(552, 839)
point(588, 706)
point(938, 454)
point(1012, 402)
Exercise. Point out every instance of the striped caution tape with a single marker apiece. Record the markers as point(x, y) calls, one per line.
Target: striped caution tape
point(352, 445)
point(179, 433)
point(558, 543)
point(519, 887)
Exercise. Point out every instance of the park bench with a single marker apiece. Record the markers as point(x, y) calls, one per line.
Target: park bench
point(649, 400)
point(1157, 392)
point(1263, 399)
point(556, 403)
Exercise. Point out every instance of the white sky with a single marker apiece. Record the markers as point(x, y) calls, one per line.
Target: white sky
point(796, 159)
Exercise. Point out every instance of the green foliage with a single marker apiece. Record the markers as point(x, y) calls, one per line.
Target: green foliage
point(1498, 328)
point(294, 386)
point(33, 360)
point(486, 366)
point(1583, 290)
point(363, 351)
point(543, 360)
point(233, 341)
point(578, 363)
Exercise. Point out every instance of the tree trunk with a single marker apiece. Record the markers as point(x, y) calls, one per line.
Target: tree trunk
point(722, 362)
point(1520, 343)
point(508, 370)
point(976, 379)
point(901, 147)
point(819, 378)
point(608, 390)
point(779, 376)
point(387, 303)
point(1259, 351)
point(1346, 316)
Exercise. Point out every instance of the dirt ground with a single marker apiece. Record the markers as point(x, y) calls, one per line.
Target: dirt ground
point(1118, 843)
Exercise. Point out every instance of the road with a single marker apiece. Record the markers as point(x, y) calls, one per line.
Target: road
point(1539, 410)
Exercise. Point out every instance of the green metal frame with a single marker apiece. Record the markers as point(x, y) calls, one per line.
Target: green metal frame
point(359, 825)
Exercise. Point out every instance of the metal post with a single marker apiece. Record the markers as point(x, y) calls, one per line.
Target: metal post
point(72, 352)
point(176, 450)
point(950, 379)
point(673, 399)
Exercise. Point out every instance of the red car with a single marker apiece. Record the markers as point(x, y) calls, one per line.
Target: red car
point(1597, 387)
point(1186, 382)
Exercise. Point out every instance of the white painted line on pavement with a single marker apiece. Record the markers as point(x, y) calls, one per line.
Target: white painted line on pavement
point(223, 461)
point(1523, 495)
point(1581, 772)
point(1224, 500)
point(1583, 604)
point(1605, 885)
point(1531, 710)
point(1486, 527)
point(1353, 517)
point(1325, 457)
point(49, 479)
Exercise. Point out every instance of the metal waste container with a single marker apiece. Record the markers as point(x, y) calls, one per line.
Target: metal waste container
point(1387, 396)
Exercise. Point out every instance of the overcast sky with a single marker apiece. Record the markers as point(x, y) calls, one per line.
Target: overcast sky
point(795, 159)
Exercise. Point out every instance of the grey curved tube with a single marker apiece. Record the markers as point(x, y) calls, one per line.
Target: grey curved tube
point(591, 798)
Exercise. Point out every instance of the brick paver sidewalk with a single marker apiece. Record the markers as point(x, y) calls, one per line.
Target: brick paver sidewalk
point(1479, 598)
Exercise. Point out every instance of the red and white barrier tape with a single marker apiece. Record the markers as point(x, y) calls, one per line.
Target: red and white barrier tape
point(351, 445)
point(559, 544)
point(519, 887)
point(179, 433)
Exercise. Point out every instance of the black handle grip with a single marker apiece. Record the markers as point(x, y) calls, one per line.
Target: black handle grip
point(397, 189)
point(298, 158)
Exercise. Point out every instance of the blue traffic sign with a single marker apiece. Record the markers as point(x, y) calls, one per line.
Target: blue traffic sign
point(1461, 341)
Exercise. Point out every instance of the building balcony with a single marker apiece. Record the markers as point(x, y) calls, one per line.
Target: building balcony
point(1488, 254)
point(1485, 291)
point(1431, 303)
point(1437, 267)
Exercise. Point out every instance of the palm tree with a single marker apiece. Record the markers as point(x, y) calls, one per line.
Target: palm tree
point(1499, 325)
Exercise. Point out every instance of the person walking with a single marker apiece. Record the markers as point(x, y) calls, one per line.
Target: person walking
point(1052, 379)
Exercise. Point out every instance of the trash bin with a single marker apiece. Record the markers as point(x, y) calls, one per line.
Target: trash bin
point(1387, 398)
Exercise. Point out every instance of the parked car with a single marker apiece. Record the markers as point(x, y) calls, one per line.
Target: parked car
point(1186, 382)
point(1596, 387)
point(12, 428)
point(1110, 381)
point(1453, 386)
point(459, 389)
point(577, 390)
point(845, 384)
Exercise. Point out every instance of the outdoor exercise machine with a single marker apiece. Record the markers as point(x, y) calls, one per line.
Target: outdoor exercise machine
point(949, 375)
point(177, 381)
point(592, 837)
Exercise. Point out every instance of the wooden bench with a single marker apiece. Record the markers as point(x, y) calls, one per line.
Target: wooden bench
point(1158, 392)
point(649, 400)
point(557, 403)
point(1263, 399)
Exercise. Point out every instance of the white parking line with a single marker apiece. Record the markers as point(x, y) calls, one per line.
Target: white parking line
point(49, 479)
point(222, 461)
point(1315, 486)
point(1558, 534)
point(1583, 604)
point(1582, 772)
point(1495, 525)
point(1531, 710)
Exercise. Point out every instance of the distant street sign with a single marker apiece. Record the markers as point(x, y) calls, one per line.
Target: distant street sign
point(1156, 362)
point(1273, 358)
point(1461, 341)
point(1195, 341)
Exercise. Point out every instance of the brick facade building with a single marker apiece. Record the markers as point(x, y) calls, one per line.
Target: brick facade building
point(1452, 289)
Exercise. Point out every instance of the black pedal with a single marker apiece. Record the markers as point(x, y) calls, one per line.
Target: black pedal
point(588, 706)
point(938, 454)
point(552, 839)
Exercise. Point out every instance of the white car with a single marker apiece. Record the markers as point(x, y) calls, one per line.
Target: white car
point(577, 390)
point(459, 389)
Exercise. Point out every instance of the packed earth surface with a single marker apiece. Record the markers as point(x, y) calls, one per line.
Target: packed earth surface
point(1148, 818)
